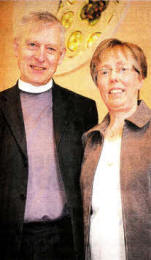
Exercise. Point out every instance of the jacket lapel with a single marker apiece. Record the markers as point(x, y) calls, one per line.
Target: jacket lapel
point(11, 109)
point(60, 112)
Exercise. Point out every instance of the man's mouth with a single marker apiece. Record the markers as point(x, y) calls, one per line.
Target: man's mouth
point(38, 68)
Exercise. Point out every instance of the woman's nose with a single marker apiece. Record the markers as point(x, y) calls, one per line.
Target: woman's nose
point(114, 74)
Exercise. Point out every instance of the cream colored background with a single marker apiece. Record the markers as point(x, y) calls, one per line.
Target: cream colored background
point(135, 27)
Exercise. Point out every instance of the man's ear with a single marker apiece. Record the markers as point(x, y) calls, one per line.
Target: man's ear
point(16, 45)
point(63, 52)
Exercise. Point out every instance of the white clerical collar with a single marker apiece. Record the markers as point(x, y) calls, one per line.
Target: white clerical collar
point(27, 87)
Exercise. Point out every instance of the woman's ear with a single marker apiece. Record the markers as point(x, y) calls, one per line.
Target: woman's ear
point(141, 81)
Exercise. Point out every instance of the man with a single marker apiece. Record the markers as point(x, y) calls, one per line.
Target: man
point(40, 153)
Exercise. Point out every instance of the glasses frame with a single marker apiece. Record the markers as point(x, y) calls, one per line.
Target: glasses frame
point(122, 70)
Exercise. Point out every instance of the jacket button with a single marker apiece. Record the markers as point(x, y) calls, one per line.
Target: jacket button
point(22, 196)
point(18, 229)
point(25, 163)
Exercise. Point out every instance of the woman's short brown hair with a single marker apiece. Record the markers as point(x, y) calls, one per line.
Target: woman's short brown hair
point(135, 50)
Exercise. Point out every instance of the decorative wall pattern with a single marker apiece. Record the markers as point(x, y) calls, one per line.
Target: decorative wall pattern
point(86, 23)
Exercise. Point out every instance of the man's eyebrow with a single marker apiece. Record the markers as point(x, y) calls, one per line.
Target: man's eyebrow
point(30, 40)
point(52, 45)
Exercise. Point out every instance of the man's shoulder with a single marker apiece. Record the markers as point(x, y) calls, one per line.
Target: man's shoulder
point(76, 105)
point(71, 96)
point(9, 91)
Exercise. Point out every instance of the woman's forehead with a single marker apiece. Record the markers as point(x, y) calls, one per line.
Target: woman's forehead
point(121, 54)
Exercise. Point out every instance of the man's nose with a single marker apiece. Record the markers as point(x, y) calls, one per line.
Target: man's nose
point(40, 54)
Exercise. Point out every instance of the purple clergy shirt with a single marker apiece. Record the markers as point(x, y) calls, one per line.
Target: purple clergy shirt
point(45, 191)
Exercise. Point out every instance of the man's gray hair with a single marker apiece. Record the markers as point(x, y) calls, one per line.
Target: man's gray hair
point(41, 17)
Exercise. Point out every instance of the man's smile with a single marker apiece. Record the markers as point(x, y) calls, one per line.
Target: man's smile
point(38, 68)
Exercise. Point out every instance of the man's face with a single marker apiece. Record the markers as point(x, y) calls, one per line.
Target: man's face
point(39, 52)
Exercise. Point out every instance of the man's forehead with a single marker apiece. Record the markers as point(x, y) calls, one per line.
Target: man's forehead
point(41, 31)
point(37, 27)
point(40, 26)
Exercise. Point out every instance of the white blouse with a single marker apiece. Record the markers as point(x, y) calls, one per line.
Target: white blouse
point(106, 228)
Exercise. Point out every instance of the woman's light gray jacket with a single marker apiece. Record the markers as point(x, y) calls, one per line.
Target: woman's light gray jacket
point(135, 180)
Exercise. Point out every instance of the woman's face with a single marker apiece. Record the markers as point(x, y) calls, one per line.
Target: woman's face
point(118, 79)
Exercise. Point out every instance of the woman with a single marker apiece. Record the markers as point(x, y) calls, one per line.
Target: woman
point(116, 170)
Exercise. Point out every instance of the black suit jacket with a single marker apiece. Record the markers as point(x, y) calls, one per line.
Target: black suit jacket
point(73, 115)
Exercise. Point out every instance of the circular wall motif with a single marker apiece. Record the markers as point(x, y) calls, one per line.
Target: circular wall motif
point(92, 11)
point(74, 41)
point(67, 19)
point(93, 38)
point(87, 23)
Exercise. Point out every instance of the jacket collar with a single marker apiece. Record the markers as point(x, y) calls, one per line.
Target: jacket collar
point(140, 118)
point(11, 108)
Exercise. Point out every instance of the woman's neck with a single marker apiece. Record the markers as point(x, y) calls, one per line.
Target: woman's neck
point(116, 124)
point(114, 131)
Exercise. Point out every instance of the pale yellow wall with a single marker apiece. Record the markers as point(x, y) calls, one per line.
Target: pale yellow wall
point(135, 27)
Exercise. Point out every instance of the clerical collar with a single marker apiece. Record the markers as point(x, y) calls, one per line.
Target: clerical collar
point(27, 87)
